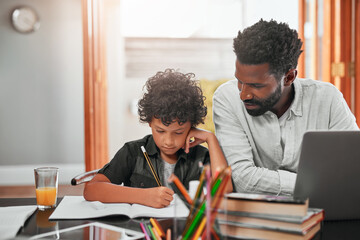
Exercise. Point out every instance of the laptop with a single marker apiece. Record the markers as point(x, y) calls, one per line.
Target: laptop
point(329, 173)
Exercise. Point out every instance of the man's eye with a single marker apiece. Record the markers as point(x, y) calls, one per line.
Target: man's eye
point(179, 133)
point(160, 131)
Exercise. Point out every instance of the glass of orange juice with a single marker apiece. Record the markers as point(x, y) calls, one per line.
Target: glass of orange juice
point(46, 182)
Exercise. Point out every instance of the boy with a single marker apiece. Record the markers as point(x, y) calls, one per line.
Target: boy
point(172, 106)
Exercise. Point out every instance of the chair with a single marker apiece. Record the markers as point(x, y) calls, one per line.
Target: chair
point(84, 177)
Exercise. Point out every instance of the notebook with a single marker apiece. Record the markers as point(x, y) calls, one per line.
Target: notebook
point(329, 173)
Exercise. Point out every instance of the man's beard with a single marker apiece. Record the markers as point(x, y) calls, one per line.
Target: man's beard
point(264, 104)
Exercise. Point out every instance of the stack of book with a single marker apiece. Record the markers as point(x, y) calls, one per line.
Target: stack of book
point(259, 216)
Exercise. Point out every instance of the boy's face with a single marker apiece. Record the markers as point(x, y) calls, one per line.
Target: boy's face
point(169, 139)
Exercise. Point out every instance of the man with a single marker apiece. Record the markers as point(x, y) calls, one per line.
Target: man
point(261, 132)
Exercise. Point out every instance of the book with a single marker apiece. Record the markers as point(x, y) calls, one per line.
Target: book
point(76, 207)
point(264, 204)
point(276, 222)
point(13, 218)
point(239, 230)
point(93, 230)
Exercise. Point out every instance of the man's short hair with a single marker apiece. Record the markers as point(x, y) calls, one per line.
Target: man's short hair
point(269, 42)
point(172, 96)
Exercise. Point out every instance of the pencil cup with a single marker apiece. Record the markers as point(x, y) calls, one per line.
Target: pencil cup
point(46, 182)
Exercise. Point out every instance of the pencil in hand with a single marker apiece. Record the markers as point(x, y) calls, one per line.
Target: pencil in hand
point(157, 179)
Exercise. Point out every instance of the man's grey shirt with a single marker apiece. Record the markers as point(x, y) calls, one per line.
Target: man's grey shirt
point(253, 145)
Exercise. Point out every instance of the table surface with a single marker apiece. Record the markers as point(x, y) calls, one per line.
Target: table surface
point(38, 223)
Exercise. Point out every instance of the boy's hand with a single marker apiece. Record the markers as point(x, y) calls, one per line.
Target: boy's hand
point(158, 197)
point(199, 135)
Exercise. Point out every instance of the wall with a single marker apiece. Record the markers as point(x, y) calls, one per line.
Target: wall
point(41, 93)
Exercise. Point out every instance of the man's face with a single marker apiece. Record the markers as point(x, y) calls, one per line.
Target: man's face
point(169, 139)
point(258, 90)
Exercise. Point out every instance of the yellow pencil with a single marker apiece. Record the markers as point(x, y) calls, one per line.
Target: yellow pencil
point(200, 229)
point(157, 227)
point(157, 179)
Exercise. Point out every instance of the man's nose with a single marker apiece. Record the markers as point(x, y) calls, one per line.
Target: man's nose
point(245, 94)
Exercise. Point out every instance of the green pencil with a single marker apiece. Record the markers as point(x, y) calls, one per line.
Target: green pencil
point(152, 232)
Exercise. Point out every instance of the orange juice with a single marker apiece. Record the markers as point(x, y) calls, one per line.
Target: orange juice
point(46, 196)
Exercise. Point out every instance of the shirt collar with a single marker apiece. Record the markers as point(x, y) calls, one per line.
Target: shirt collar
point(297, 105)
point(152, 149)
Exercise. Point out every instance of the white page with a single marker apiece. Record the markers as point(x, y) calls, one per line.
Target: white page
point(76, 207)
point(13, 218)
point(94, 229)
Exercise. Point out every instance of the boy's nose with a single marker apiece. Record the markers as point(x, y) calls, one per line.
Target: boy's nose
point(169, 141)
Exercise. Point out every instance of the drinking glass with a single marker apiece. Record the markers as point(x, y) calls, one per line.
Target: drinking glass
point(46, 182)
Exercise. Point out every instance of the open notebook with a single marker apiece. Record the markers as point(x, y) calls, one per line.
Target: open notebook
point(76, 207)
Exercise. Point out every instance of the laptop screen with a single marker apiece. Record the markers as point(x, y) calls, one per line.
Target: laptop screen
point(329, 173)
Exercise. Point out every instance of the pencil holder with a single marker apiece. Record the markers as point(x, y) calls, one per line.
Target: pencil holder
point(202, 207)
point(186, 227)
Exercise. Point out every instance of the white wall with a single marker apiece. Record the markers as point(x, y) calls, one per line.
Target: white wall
point(41, 93)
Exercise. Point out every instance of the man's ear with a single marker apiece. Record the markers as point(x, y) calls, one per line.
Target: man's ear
point(290, 76)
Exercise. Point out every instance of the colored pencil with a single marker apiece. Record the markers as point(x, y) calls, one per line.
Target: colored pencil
point(157, 179)
point(152, 232)
point(197, 199)
point(200, 229)
point(157, 226)
point(168, 234)
point(156, 234)
point(173, 178)
point(144, 231)
point(188, 231)
point(208, 203)
point(179, 193)
point(216, 203)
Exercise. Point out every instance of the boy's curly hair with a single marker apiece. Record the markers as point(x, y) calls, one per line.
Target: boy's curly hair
point(172, 96)
point(269, 42)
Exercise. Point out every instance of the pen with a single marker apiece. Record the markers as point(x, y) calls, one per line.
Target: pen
point(151, 166)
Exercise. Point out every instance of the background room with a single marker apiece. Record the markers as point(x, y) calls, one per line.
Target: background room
point(43, 98)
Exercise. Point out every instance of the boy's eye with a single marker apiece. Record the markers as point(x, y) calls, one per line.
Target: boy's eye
point(257, 86)
point(179, 133)
point(160, 131)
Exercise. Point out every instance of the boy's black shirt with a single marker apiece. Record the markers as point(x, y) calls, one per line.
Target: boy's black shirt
point(130, 167)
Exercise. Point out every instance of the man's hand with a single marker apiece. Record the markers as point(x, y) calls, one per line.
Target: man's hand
point(158, 197)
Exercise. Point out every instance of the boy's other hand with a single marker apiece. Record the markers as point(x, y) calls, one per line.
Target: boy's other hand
point(195, 137)
point(158, 197)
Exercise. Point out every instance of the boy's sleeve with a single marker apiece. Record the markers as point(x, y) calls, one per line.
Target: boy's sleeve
point(118, 170)
point(206, 159)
